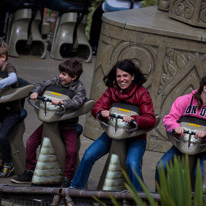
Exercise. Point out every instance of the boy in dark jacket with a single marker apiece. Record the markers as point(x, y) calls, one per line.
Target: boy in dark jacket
point(68, 80)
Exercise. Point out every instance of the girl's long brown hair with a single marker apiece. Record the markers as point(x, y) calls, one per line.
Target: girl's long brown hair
point(198, 94)
point(128, 66)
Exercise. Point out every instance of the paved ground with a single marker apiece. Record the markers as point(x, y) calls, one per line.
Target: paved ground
point(34, 69)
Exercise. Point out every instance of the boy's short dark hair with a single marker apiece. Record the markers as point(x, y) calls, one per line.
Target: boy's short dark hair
point(72, 66)
point(3, 48)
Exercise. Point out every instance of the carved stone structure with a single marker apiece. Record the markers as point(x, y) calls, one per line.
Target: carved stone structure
point(189, 11)
point(163, 5)
point(171, 54)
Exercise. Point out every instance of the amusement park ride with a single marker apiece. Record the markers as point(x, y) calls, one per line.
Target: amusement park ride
point(51, 160)
point(9, 94)
point(147, 38)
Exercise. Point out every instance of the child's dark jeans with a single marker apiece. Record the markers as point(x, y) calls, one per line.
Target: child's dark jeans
point(8, 119)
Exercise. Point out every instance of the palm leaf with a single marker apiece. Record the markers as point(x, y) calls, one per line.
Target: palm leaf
point(188, 188)
point(198, 196)
point(99, 201)
point(132, 190)
point(149, 196)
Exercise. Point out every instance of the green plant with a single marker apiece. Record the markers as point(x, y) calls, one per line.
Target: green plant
point(94, 5)
point(146, 3)
point(174, 189)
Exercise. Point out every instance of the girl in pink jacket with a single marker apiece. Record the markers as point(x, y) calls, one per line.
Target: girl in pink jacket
point(193, 105)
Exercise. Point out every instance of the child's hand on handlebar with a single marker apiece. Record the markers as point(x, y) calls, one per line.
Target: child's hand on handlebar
point(179, 130)
point(127, 118)
point(33, 96)
point(57, 102)
point(105, 114)
point(200, 134)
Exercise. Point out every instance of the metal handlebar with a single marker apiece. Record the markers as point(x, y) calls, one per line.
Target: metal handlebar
point(132, 122)
point(185, 131)
point(45, 100)
point(191, 132)
point(118, 117)
point(32, 104)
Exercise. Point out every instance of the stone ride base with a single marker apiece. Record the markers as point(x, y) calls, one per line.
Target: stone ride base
point(172, 54)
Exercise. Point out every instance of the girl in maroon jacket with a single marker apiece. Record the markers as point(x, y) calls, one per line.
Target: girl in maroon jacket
point(124, 83)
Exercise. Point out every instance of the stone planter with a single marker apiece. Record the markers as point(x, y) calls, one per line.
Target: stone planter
point(192, 12)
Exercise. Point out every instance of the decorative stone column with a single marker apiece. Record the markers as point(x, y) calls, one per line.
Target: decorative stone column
point(170, 53)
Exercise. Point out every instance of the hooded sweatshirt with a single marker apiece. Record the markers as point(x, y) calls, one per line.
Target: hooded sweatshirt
point(186, 105)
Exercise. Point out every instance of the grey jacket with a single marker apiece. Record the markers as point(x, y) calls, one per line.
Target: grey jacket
point(76, 102)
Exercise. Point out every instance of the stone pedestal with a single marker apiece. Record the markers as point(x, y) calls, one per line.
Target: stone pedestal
point(170, 53)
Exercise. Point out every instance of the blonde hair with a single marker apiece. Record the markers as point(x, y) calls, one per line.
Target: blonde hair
point(3, 48)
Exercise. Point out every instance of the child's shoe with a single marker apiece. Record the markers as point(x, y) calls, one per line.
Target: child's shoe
point(26, 177)
point(66, 183)
point(7, 170)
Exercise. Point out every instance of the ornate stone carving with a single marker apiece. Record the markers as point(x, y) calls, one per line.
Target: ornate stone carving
point(189, 11)
point(175, 61)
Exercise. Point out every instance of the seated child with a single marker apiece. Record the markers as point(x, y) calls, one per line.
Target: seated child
point(70, 71)
point(188, 105)
point(9, 111)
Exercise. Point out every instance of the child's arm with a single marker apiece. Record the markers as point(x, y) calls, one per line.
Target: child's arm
point(40, 87)
point(178, 108)
point(11, 79)
point(78, 99)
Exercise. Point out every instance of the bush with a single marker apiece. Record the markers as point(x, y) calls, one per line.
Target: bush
point(146, 3)
point(175, 188)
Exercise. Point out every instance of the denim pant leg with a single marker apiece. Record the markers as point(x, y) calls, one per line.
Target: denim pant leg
point(8, 121)
point(135, 152)
point(166, 158)
point(202, 158)
point(96, 150)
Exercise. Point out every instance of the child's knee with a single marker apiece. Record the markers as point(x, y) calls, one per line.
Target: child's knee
point(88, 156)
point(132, 165)
point(29, 144)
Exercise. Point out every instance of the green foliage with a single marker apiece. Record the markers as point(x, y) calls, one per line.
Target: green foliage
point(94, 5)
point(177, 190)
point(146, 3)
point(174, 189)
point(134, 193)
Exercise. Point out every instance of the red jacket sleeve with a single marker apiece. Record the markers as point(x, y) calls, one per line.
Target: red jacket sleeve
point(103, 103)
point(147, 118)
